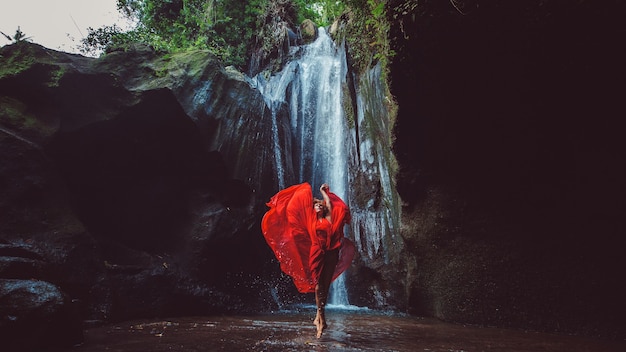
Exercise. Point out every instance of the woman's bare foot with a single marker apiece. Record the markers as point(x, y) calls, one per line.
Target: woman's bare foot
point(320, 330)
point(320, 324)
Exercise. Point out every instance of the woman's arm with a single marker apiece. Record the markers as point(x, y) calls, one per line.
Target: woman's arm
point(323, 189)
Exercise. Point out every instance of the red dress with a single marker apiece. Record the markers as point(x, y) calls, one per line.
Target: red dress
point(299, 241)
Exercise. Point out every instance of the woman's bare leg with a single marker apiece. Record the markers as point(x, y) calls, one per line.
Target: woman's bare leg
point(320, 302)
point(322, 288)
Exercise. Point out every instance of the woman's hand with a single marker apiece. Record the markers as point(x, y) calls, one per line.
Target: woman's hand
point(324, 188)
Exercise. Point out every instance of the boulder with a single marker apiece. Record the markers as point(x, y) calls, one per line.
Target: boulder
point(308, 29)
point(37, 314)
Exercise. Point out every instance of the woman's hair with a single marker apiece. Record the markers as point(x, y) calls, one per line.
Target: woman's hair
point(324, 208)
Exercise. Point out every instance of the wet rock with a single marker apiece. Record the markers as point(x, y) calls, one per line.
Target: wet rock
point(16, 267)
point(20, 262)
point(134, 178)
point(36, 314)
point(8, 250)
point(308, 29)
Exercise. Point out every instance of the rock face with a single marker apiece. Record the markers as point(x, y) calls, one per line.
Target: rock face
point(511, 162)
point(309, 31)
point(377, 279)
point(37, 313)
point(135, 181)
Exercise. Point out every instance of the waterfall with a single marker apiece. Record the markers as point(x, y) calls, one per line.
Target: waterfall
point(310, 86)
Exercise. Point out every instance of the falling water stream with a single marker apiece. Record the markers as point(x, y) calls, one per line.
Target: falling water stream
point(311, 87)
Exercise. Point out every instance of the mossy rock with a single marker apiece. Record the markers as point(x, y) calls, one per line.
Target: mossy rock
point(308, 29)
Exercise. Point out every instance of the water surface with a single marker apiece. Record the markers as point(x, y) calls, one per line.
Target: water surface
point(347, 331)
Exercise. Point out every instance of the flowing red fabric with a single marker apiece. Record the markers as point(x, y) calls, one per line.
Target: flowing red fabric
point(289, 229)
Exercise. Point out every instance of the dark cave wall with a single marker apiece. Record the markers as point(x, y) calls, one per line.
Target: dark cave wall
point(512, 163)
point(116, 198)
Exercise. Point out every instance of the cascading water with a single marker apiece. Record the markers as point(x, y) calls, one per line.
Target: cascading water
point(311, 87)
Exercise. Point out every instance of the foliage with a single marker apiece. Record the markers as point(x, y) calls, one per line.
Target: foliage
point(19, 36)
point(323, 12)
point(368, 34)
point(222, 27)
point(100, 39)
point(237, 24)
point(17, 61)
point(228, 28)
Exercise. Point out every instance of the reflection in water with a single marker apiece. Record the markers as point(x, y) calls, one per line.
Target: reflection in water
point(349, 330)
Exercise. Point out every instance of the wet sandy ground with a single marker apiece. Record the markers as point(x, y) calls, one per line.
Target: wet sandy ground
point(347, 331)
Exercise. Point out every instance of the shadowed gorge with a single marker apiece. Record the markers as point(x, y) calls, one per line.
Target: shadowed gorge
point(511, 162)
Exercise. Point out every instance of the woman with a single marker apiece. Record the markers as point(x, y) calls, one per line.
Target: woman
point(306, 235)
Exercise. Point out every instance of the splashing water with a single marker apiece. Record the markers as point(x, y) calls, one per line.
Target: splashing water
point(310, 86)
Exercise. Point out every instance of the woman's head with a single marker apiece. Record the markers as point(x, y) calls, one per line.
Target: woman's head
point(319, 207)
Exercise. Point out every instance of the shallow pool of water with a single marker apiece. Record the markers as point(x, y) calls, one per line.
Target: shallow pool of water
point(347, 331)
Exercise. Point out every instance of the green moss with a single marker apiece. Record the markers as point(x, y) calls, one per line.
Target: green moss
point(14, 115)
point(347, 105)
point(193, 62)
point(15, 62)
point(367, 35)
point(55, 76)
